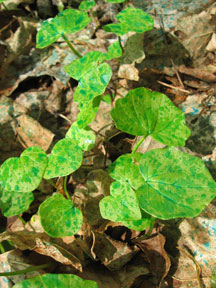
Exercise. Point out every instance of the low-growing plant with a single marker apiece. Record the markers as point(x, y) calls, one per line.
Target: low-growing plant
point(159, 184)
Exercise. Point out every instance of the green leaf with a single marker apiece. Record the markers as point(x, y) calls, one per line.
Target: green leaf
point(121, 205)
point(66, 157)
point(125, 169)
point(115, 1)
point(57, 281)
point(86, 5)
point(131, 19)
point(93, 82)
point(84, 137)
point(176, 184)
point(25, 173)
point(78, 67)
point(88, 111)
point(16, 203)
point(68, 21)
point(141, 224)
point(114, 51)
point(142, 112)
point(59, 217)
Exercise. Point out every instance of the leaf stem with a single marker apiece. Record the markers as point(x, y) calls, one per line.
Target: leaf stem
point(119, 39)
point(4, 6)
point(27, 270)
point(21, 219)
point(2, 249)
point(65, 188)
point(71, 46)
point(138, 144)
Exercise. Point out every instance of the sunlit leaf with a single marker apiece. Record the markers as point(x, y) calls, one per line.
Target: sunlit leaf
point(86, 5)
point(142, 113)
point(84, 137)
point(15, 203)
point(56, 281)
point(141, 224)
point(176, 184)
point(121, 205)
point(88, 111)
point(23, 174)
point(125, 169)
point(93, 83)
point(114, 51)
point(131, 19)
point(59, 217)
point(68, 21)
point(66, 157)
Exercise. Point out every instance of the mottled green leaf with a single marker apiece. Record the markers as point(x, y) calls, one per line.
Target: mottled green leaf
point(121, 205)
point(114, 51)
point(177, 184)
point(141, 224)
point(16, 203)
point(78, 67)
point(142, 112)
point(66, 157)
point(131, 19)
point(68, 21)
point(115, 1)
point(93, 82)
point(125, 169)
point(88, 111)
point(59, 217)
point(86, 5)
point(23, 174)
point(84, 137)
point(56, 281)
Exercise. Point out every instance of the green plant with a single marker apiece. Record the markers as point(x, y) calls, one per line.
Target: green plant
point(162, 183)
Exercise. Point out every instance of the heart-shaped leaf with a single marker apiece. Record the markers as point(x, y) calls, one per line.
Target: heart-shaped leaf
point(59, 217)
point(177, 184)
point(68, 21)
point(131, 19)
point(84, 137)
point(16, 203)
point(142, 112)
point(88, 111)
point(66, 157)
point(114, 51)
point(121, 205)
point(25, 173)
point(141, 224)
point(93, 82)
point(125, 169)
point(86, 5)
point(78, 67)
point(56, 280)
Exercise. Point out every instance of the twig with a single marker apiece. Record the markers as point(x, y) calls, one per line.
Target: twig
point(173, 87)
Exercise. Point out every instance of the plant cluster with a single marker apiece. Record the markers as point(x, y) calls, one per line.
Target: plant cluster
point(160, 184)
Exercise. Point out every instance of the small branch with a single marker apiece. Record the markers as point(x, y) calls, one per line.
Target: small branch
point(27, 270)
point(71, 46)
point(173, 87)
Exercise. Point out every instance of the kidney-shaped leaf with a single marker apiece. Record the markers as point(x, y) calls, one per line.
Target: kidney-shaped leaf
point(121, 205)
point(84, 137)
point(142, 112)
point(131, 19)
point(141, 224)
point(25, 173)
point(16, 203)
point(56, 281)
point(66, 157)
point(177, 184)
point(59, 217)
point(114, 51)
point(86, 5)
point(93, 82)
point(125, 169)
point(68, 21)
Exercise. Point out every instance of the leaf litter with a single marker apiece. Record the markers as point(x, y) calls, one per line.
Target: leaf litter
point(129, 262)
